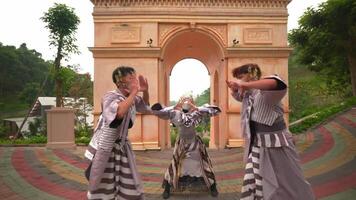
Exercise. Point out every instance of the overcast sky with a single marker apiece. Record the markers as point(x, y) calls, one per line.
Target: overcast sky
point(20, 23)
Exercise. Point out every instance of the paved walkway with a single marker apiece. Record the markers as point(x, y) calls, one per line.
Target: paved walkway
point(327, 156)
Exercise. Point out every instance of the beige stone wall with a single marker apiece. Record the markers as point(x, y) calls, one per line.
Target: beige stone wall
point(125, 34)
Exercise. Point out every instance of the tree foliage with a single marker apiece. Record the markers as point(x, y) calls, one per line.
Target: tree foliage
point(325, 42)
point(203, 98)
point(23, 71)
point(18, 67)
point(62, 23)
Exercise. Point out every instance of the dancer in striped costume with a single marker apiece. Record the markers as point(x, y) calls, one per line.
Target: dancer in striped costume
point(272, 170)
point(112, 173)
point(191, 164)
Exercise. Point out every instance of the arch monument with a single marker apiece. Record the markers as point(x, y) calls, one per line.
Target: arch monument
point(153, 35)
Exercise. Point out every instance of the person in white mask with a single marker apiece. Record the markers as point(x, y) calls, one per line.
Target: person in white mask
point(191, 165)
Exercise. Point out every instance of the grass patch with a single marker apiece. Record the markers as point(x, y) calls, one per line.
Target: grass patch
point(308, 93)
point(322, 115)
point(36, 139)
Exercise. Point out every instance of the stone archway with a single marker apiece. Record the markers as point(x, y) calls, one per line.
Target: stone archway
point(152, 35)
point(197, 43)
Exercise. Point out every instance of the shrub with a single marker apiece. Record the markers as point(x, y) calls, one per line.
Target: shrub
point(322, 115)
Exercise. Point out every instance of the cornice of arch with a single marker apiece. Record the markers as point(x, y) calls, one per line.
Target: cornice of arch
point(193, 3)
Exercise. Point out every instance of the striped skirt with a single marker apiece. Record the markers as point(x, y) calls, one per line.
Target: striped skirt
point(273, 170)
point(180, 152)
point(117, 181)
point(252, 182)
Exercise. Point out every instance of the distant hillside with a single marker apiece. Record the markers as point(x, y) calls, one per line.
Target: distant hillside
point(308, 92)
point(23, 71)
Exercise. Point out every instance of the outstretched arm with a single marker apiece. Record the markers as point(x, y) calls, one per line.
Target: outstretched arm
point(209, 110)
point(263, 84)
point(162, 113)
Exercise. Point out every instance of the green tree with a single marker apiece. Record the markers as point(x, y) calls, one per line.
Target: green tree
point(325, 42)
point(203, 98)
point(200, 100)
point(62, 23)
point(82, 86)
point(18, 67)
point(11, 69)
point(29, 93)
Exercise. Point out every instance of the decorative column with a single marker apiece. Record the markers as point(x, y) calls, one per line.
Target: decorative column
point(60, 128)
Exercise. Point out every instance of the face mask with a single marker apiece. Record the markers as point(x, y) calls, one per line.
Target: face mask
point(186, 106)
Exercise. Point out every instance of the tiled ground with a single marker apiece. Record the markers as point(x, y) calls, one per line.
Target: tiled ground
point(327, 156)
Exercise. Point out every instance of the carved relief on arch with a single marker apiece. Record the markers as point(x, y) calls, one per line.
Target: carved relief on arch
point(166, 30)
point(253, 35)
point(218, 30)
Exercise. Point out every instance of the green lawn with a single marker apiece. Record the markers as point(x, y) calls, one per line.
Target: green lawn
point(308, 93)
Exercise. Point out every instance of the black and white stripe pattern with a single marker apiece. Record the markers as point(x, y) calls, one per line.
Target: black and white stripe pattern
point(275, 136)
point(113, 173)
point(271, 136)
point(171, 175)
point(117, 180)
point(267, 106)
point(107, 138)
point(264, 112)
point(252, 182)
point(192, 119)
point(272, 140)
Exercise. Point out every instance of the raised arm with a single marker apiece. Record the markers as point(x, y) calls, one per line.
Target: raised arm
point(144, 88)
point(142, 103)
point(124, 106)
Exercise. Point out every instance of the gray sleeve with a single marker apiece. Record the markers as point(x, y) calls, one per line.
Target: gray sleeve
point(209, 110)
point(177, 117)
point(273, 97)
point(167, 113)
point(237, 96)
point(110, 104)
point(141, 105)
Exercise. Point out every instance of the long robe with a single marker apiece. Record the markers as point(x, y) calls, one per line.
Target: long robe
point(272, 170)
point(112, 173)
point(190, 157)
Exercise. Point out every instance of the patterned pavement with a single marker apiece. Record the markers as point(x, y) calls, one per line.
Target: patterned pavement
point(327, 156)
